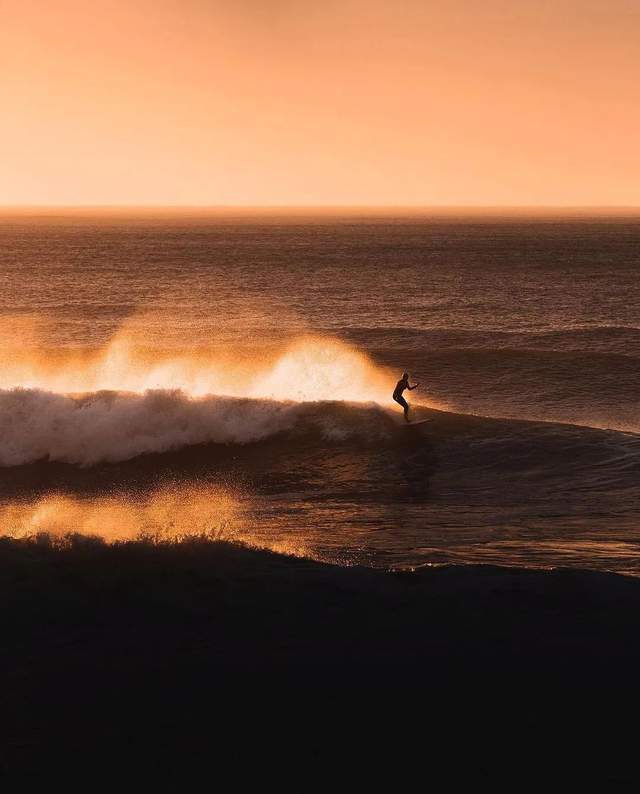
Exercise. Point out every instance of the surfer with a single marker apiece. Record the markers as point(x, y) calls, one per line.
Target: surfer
point(401, 385)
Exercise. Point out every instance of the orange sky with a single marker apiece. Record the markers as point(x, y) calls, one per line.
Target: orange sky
point(299, 102)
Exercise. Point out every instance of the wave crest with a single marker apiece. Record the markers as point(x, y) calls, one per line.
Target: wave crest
point(114, 426)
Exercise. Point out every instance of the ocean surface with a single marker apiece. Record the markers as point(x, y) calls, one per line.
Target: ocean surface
point(231, 375)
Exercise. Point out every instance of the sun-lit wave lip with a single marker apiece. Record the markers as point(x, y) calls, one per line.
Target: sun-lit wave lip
point(307, 369)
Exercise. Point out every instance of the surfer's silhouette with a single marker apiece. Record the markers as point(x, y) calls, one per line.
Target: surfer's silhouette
point(401, 385)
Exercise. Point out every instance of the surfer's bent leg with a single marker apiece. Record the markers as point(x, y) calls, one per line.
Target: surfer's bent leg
point(401, 401)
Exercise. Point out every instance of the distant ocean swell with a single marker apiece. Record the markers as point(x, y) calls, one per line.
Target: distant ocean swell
point(624, 340)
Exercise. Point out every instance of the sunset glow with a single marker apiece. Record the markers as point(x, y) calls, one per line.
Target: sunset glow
point(361, 102)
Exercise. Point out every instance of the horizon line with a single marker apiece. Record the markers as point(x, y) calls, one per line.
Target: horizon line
point(339, 207)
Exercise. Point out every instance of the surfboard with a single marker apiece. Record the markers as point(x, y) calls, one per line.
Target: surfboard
point(419, 422)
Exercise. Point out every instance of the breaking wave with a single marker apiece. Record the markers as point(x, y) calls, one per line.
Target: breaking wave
point(114, 426)
point(111, 427)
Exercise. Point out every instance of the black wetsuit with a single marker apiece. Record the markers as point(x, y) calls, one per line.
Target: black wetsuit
point(397, 396)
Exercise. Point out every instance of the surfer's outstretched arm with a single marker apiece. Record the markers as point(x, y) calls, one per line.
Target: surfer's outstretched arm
point(411, 388)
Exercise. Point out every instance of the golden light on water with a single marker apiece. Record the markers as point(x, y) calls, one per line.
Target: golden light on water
point(169, 513)
point(319, 369)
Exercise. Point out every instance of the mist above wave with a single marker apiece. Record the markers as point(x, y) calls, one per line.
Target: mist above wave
point(306, 368)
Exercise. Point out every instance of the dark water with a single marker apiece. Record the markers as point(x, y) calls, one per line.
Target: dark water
point(525, 332)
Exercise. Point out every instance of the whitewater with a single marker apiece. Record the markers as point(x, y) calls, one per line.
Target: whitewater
point(115, 426)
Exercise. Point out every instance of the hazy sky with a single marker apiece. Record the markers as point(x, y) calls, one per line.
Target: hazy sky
point(258, 102)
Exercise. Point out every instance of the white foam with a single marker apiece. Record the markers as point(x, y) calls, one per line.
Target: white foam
point(116, 426)
point(36, 424)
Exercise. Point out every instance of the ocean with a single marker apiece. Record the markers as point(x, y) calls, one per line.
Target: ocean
point(230, 375)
